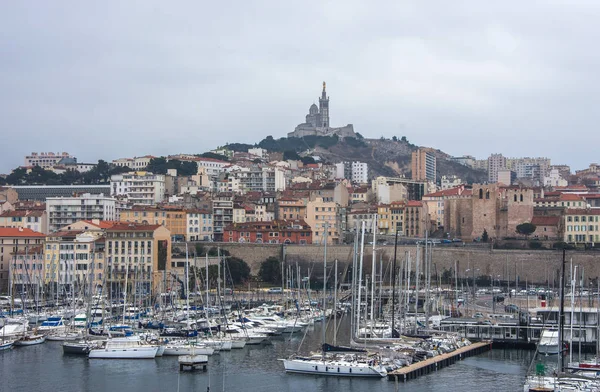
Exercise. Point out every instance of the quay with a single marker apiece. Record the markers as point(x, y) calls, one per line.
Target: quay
point(433, 364)
point(192, 361)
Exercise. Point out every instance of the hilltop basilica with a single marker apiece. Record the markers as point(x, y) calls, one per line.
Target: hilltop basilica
point(317, 121)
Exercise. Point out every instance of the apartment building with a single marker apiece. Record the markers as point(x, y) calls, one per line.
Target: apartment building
point(27, 269)
point(323, 216)
point(495, 162)
point(75, 258)
point(423, 165)
point(136, 163)
point(13, 240)
point(581, 225)
point(199, 225)
point(285, 231)
point(222, 214)
point(139, 252)
point(143, 188)
point(46, 160)
point(35, 220)
point(290, 208)
point(63, 211)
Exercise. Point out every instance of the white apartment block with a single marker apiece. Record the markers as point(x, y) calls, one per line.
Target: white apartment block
point(554, 179)
point(211, 166)
point(495, 163)
point(259, 152)
point(360, 172)
point(266, 179)
point(64, 211)
point(136, 163)
point(199, 225)
point(448, 182)
point(45, 160)
point(143, 188)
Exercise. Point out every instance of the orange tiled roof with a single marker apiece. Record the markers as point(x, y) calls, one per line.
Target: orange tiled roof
point(19, 232)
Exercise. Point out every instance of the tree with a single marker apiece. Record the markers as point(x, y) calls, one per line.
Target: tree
point(404, 139)
point(526, 229)
point(395, 138)
point(17, 176)
point(270, 270)
point(485, 237)
point(290, 155)
point(237, 269)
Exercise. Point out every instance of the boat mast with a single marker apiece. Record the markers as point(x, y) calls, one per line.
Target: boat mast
point(335, 285)
point(394, 283)
point(373, 274)
point(561, 316)
point(324, 324)
point(362, 252)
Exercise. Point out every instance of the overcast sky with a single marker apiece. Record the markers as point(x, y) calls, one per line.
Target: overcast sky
point(110, 79)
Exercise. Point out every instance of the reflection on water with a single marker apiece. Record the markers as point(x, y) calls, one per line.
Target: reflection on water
point(255, 368)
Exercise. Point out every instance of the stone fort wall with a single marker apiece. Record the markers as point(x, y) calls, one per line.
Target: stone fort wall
point(535, 266)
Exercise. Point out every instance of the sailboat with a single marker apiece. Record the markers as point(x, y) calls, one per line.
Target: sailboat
point(338, 364)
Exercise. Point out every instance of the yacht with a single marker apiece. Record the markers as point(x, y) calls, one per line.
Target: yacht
point(53, 324)
point(183, 347)
point(346, 365)
point(30, 340)
point(548, 344)
point(124, 348)
point(6, 344)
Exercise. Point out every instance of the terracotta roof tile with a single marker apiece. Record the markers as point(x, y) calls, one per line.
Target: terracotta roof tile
point(19, 232)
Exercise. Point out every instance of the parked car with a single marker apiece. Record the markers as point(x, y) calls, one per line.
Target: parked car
point(499, 298)
point(446, 241)
point(511, 308)
point(478, 315)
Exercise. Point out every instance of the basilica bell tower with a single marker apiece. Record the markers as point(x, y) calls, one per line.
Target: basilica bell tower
point(324, 108)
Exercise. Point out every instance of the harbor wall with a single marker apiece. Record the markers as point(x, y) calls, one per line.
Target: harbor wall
point(537, 266)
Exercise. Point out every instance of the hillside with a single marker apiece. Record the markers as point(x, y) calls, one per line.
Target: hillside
point(387, 157)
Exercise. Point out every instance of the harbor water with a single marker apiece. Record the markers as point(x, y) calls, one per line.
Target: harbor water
point(254, 368)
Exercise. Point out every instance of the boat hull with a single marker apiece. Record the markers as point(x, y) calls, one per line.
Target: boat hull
point(340, 369)
point(124, 353)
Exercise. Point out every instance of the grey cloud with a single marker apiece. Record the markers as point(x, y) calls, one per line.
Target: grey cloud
point(112, 79)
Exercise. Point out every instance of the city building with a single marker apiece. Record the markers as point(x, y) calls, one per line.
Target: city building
point(389, 189)
point(45, 160)
point(322, 215)
point(581, 226)
point(357, 172)
point(449, 182)
point(27, 269)
point(506, 177)
point(174, 219)
point(494, 163)
point(285, 231)
point(42, 192)
point(12, 241)
point(554, 178)
point(8, 194)
point(63, 211)
point(141, 253)
point(465, 160)
point(356, 217)
point(436, 202)
point(136, 163)
point(258, 179)
point(75, 258)
point(141, 187)
point(416, 219)
point(199, 225)
point(222, 211)
point(423, 165)
point(35, 220)
point(290, 208)
point(317, 121)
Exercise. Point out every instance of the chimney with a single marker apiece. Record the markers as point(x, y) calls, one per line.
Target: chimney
point(20, 229)
point(96, 222)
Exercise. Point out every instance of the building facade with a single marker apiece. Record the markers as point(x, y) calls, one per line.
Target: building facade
point(137, 253)
point(35, 220)
point(423, 165)
point(12, 241)
point(285, 231)
point(143, 188)
point(45, 160)
point(63, 211)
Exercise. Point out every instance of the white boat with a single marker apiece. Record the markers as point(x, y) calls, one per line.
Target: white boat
point(53, 324)
point(6, 344)
point(124, 348)
point(342, 366)
point(187, 348)
point(30, 340)
point(238, 343)
point(14, 328)
point(64, 336)
point(548, 344)
point(82, 347)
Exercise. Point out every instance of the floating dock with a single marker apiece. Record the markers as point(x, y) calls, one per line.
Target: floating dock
point(192, 362)
point(433, 364)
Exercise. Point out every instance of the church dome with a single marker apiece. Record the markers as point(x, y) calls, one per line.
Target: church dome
point(313, 109)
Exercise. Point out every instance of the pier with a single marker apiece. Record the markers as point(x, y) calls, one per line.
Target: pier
point(433, 364)
point(192, 362)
